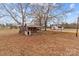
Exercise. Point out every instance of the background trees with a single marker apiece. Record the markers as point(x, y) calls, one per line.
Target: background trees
point(45, 13)
point(40, 13)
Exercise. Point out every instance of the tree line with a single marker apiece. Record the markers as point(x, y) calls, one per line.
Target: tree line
point(40, 13)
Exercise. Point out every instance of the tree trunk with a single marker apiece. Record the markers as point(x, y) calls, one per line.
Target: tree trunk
point(77, 28)
point(40, 22)
point(46, 25)
point(21, 30)
point(46, 18)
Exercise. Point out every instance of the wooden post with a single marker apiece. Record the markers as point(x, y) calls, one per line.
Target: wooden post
point(77, 27)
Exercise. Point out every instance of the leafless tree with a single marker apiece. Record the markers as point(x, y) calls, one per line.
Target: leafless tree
point(18, 13)
point(41, 13)
point(46, 12)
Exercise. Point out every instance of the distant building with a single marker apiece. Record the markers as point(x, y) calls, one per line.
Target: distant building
point(57, 27)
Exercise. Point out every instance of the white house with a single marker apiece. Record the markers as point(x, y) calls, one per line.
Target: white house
point(57, 28)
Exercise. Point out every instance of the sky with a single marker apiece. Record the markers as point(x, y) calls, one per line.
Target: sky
point(71, 17)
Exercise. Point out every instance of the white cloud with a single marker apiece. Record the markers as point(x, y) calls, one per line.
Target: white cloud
point(13, 10)
point(72, 6)
point(54, 4)
point(41, 4)
point(69, 14)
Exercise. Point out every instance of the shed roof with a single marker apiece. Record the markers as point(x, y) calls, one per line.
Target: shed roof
point(33, 26)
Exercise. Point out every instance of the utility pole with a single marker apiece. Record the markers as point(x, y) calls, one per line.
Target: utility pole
point(77, 27)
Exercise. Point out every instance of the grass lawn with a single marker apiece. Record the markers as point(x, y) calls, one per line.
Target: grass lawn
point(42, 43)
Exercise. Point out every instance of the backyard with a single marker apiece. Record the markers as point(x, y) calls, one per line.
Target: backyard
point(41, 43)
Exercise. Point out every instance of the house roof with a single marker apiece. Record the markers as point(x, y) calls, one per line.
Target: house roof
point(33, 26)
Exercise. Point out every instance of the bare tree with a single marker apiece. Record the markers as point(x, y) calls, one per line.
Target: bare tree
point(37, 12)
point(18, 14)
point(42, 13)
point(45, 12)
